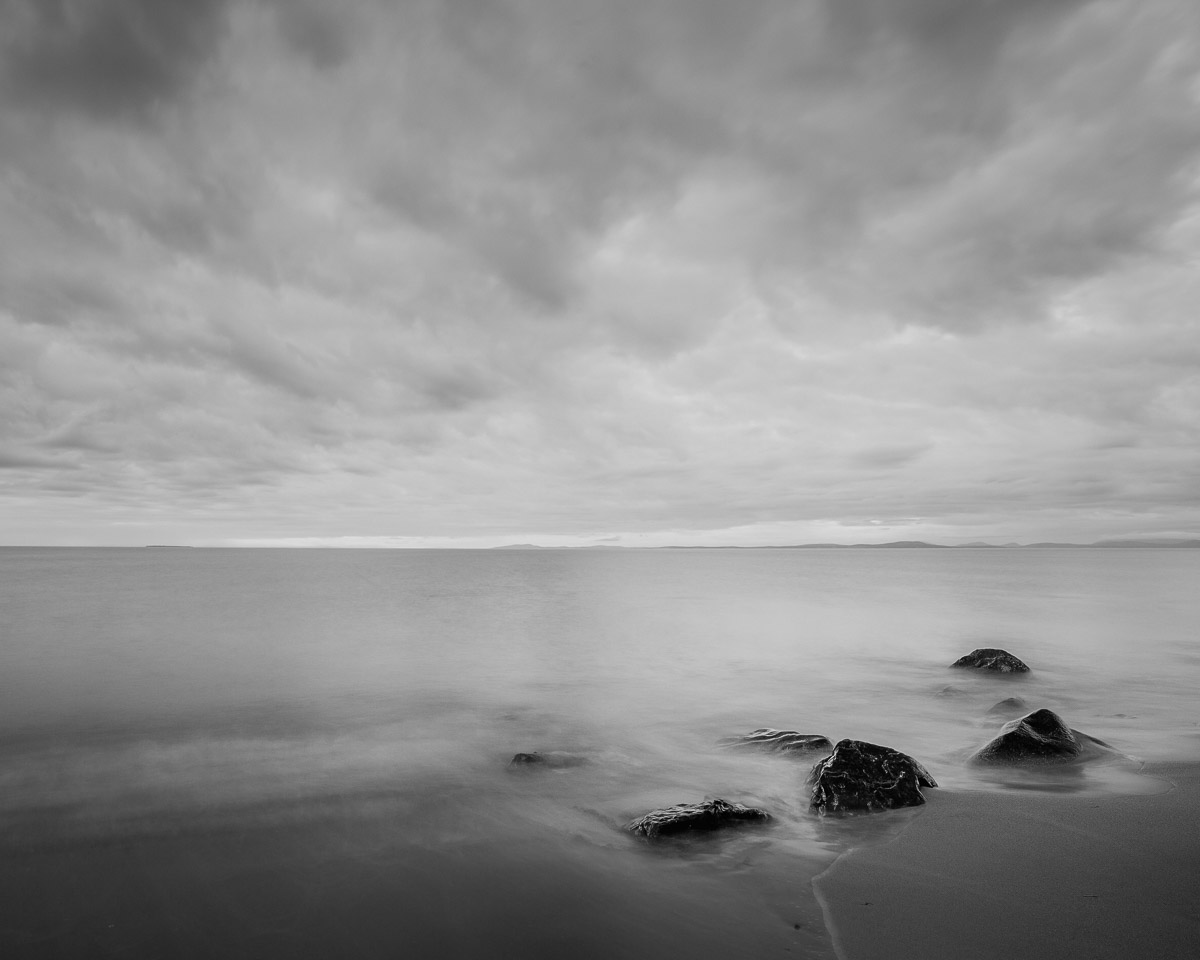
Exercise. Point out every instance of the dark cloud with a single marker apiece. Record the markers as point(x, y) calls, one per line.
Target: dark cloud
point(113, 58)
point(196, 218)
point(952, 162)
point(453, 388)
point(321, 35)
point(528, 130)
point(963, 33)
point(16, 460)
point(58, 300)
point(77, 436)
point(881, 458)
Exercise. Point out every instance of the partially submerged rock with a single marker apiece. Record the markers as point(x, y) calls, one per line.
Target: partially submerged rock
point(992, 660)
point(690, 817)
point(1040, 737)
point(552, 759)
point(860, 776)
point(779, 741)
point(1008, 707)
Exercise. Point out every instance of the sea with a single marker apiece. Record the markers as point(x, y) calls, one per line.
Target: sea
point(306, 753)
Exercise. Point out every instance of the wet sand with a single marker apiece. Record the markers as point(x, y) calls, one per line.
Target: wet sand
point(1024, 875)
point(354, 887)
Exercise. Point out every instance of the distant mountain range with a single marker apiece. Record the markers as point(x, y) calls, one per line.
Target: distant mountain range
point(904, 544)
point(894, 545)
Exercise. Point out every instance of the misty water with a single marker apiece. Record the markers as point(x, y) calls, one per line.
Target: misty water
point(270, 753)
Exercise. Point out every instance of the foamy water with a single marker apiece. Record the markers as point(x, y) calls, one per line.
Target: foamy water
point(333, 727)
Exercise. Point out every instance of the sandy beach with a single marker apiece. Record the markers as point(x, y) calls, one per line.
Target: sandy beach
point(1025, 875)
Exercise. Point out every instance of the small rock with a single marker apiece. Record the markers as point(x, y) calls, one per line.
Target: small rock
point(554, 759)
point(779, 741)
point(688, 817)
point(861, 776)
point(992, 660)
point(1039, 737)
point(951, 693)
point(1007, 707)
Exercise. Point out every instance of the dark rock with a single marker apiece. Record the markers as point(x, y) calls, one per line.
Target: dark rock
point(688, 817)
point(779, 741)
point(1008, 707)
point(992, 660)
point(861, 776)
point(554, 759)
point(1039, 737)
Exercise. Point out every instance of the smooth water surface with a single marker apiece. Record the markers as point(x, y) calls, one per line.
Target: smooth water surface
point(271, 753)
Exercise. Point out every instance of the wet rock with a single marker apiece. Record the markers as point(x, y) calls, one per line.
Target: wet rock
point(1008, 707)
point(860, 776)
point(1039, 737)
point(553, 759)
point(779, 741)
point(707, 815)
point(951, 693)
point(992, 660)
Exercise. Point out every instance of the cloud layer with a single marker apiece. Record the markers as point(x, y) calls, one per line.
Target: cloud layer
point(670, 271)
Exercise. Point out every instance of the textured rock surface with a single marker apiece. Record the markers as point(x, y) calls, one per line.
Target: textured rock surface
point(687, 817)
point(860, 776)
point(992, 660)
point(1008, 707)
point(1041, 737)
point(553, 758)
point(780, 741)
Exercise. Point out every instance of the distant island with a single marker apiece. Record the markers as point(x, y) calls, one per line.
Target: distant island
point(978, 544)
point(892, 545)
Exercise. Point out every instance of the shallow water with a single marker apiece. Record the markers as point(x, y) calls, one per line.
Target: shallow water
point(282, 753)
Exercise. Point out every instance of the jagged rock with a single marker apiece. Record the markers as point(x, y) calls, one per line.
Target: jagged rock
point(1039, 737)
point(554, 759)
point(1007, 707)
point(861, 776)
point(779, 741)
point(992, 660)
point(688, 817)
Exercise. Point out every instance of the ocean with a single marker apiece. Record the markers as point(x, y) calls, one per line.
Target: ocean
point(304, 753)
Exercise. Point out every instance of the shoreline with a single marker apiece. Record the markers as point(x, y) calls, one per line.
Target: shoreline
point(1028, 875)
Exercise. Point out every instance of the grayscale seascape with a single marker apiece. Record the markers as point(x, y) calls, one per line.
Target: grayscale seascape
point(289, 753)
point(599, 479)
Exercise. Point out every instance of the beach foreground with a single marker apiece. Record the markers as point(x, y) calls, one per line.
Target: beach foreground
point(1028, 875)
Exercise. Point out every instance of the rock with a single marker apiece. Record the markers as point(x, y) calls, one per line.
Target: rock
point(689, 817)
point(951, 693)
point(992, 660)
point(861, 776)
point(1040, 737)
point(554, 759)
point(1007, 707)
point(779, 741)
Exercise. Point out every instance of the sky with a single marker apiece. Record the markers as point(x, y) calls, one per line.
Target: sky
point(640, 272)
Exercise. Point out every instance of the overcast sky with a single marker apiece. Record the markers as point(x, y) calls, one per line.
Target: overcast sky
point(468, 272)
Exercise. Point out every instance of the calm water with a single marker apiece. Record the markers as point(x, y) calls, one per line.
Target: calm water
point(297, 753)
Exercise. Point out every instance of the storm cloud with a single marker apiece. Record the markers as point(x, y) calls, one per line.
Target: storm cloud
point(674, 271)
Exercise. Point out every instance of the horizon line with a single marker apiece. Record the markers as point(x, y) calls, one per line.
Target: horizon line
point(1108, 543)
